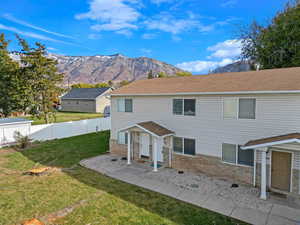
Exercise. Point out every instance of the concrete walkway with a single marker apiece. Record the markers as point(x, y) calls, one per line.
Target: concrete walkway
point(207, 192)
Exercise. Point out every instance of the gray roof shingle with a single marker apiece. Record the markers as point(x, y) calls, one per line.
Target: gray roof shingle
point(84, 93)
point(13, 120)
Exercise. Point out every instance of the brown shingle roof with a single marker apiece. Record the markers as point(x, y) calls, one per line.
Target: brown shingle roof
point(273, 139)
point(287, 79)
point(155, 128)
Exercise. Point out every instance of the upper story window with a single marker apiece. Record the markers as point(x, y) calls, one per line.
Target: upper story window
point(247, 108)
point(243, 108)
point(124, 105)
point(234, 154)
point(185, 107)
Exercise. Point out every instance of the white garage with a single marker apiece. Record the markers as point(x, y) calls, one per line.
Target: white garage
point(8, 128)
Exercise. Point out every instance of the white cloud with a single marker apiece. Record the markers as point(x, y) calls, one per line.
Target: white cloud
point(200, 66)
point(229, 3)
point(51, 49)
point(223, 53)
point(148, 36)
point(226, 49)
point(158, 2)
point(146, 51)
point(94, 36)
point(127, 33)
point(24, 23)
point(31, 34)
point(168, 23)
point(112, 15)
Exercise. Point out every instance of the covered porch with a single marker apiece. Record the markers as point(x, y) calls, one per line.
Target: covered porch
point(276, 164)
point(149, 141)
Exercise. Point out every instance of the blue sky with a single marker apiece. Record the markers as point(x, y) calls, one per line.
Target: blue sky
point(196, 35)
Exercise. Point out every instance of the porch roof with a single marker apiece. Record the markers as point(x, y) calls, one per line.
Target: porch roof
point(152, 128)
point(275, 140)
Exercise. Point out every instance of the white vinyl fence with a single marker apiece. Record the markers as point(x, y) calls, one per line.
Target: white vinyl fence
point(56, 130)
point(68, 129)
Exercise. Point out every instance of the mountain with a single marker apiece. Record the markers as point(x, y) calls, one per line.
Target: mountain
point(234, 67)
point(101, 68)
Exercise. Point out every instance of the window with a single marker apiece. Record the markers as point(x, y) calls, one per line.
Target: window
point(177, 106)
point(124, 105)
point(229, 153)
point(244, 107)
point(234, 154)
point(122, 138)
point(245, 157)
point(230, 108)
point(247, 108)
point(185, 107)
point(184, 146)
point(178, 144)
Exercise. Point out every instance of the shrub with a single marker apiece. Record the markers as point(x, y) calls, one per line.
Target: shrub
point(23, 141)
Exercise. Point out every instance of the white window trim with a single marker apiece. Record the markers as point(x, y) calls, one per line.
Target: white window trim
point(236, 157)
point(183, 106)
point(178, 153)
point(237, 99)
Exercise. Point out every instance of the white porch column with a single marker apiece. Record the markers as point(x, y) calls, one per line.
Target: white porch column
point(170, 152)
point(128, 147)
point(263, 183)
point(155, 144)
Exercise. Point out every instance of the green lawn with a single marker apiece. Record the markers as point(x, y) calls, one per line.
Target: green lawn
point(67, 116)
point(94, 198)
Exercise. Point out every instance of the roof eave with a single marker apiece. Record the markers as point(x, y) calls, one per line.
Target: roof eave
point(269, 144)
point(210, 93)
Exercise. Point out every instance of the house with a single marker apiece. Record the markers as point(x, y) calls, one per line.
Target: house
point(239, 126)
point(93, 100)
point(9, 127)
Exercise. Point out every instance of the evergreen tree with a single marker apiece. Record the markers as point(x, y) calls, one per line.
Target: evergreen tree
point(150, 74)
point(43, 77)
point(12, 91)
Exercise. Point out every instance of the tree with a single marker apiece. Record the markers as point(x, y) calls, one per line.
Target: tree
point(162, 74)
point(124, 82)
point(150, 74)
point(12, 88)
point(183, 74)
point(101, 85)
point(44, 79)
point(275, 45)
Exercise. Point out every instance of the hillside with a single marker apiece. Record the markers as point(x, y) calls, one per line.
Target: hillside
point(100, 68)
point(239, 66)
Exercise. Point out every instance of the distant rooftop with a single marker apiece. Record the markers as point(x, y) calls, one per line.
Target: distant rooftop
point(14, 120)
point(85, 93)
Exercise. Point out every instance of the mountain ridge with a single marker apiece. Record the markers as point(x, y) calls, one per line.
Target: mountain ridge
point(102, 68)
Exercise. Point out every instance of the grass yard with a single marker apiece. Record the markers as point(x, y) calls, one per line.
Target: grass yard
point(67, 116)
point(78, 196)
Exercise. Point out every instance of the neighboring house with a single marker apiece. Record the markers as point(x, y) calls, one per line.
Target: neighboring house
point(94, 100)
point(240, 126)
point(9, 127)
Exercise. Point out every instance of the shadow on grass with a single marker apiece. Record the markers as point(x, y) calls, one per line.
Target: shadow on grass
point(68, 152)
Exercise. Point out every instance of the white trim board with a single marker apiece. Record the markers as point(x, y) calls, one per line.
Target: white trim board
point(212, 93)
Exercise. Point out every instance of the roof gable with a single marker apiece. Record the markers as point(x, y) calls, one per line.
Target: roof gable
point(273, 80)
point(85, 93)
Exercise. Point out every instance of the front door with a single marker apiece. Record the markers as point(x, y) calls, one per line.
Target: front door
point(281, 170)
point(144, 144)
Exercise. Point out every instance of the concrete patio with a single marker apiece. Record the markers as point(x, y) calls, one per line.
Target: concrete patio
point(242, 203)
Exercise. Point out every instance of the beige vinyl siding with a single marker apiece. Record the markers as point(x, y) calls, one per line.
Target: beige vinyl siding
point(275, 115)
